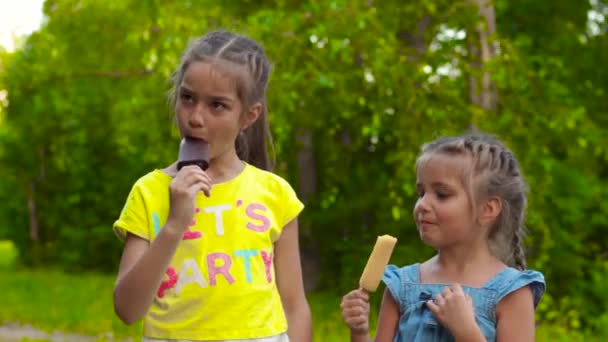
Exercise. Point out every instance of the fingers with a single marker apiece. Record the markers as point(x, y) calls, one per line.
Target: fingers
point(448, 293)
point(355, 309)
point(355, 301)
point(201, 186)
point(356, 322)
point(194, 179)
point(356, 312)
point(358, 293)
point(457, 289)
point(439, 299)
point(191, 174)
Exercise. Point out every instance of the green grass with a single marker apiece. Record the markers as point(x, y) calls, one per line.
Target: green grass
point(53, 300)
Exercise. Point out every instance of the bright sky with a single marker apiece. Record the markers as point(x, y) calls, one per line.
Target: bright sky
point(17, 18)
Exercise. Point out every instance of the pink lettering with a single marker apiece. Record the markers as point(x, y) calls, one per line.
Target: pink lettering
point(267, 258)
point(192, 234)
point(168, 284)
point(265, 222)
point(223, 269)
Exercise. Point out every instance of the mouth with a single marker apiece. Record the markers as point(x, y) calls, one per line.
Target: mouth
point(425, 223)
point(202, 140)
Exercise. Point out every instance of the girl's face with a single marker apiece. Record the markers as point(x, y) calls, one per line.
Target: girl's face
point(208, 107)
point(443, 211)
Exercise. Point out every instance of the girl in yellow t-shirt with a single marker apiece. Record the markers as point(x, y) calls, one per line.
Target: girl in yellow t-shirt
point(213, 255)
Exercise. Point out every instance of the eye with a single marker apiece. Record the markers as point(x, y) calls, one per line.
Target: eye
point(420, 193)
point(442, 195)
point(218, 106)
point(187, 98)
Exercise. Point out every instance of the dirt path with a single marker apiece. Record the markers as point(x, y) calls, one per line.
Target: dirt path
point(15, 332)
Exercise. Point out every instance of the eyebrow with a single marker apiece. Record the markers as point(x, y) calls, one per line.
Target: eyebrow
point(435, 185)
point(186, 89)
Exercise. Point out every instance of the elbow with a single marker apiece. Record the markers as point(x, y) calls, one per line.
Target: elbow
point(297, 308)
point(126, 319)
point(121, 308)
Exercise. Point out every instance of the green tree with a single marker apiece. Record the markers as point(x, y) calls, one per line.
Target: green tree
point(357, 87)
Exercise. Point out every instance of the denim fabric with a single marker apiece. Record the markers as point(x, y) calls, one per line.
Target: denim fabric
point(417, 323)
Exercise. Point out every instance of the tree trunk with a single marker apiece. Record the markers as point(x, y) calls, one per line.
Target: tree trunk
point(307, 177)
point(34, 228)
point(307, 172)
point(482, 92)
point(31, 205)
point(416, 40)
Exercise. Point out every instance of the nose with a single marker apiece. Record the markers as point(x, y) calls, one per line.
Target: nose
point(422, 205)
point(197, 117)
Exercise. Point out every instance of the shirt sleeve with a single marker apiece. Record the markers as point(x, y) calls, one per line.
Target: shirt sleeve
point(393, 278)
point(531, 278)
point(290, 207)
point(293, 205)
point(133, 218)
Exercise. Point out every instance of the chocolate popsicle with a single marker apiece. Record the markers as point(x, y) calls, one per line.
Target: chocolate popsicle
point(193, 151)
point(374, 269)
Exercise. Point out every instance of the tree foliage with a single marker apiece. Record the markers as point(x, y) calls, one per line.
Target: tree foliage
point(357, 87)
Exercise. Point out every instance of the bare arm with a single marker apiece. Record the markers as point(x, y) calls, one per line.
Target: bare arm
point(388, 320)
point(142, 268)
point(291, 286)
point(143, 265)
point(515, 316)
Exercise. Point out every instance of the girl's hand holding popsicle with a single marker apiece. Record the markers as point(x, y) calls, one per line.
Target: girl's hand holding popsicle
point(355, 304)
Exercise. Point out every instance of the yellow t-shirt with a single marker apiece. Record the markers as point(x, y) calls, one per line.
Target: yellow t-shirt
point(221, 280)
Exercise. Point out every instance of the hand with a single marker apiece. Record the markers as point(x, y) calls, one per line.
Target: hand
point(188, 182)
point(454, 310)
point(355, 311)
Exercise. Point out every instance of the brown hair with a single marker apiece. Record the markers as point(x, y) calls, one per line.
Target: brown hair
point(247, 57)
point(493, 172)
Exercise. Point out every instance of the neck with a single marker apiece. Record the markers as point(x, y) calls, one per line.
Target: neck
point(222, 168)
point(460, 259)
point(225, 166)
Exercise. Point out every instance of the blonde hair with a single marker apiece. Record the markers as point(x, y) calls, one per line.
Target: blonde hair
point(493, 172)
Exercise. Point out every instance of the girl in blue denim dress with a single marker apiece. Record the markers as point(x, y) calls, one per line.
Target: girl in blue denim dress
point(471, 206)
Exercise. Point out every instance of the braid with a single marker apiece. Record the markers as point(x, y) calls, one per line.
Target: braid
point(519, 257)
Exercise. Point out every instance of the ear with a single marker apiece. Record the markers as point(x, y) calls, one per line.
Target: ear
point(251, 115)
point(489, 211)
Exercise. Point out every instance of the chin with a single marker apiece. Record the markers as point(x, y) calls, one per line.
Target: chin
point(428, 240)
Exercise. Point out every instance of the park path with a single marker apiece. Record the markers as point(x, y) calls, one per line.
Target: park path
point(15, 332)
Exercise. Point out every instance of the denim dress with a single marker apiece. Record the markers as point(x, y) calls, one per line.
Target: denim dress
point(417, 323)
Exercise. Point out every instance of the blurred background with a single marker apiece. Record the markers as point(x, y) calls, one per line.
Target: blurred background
point(357, 87)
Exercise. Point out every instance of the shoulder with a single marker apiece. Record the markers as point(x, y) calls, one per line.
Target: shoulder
point(275, 192)
point(511, 281)
point(266, 178)
point(396, 278)
point(408, 273)
point(152, 180)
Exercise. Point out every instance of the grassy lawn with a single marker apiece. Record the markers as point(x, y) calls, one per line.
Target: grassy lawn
point(53, 300)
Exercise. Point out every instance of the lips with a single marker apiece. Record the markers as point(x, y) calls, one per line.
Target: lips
point(425, 223)
point(423, 220)
point(198, 138)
